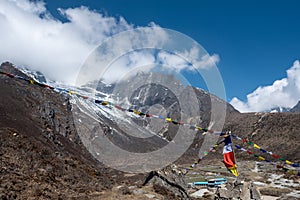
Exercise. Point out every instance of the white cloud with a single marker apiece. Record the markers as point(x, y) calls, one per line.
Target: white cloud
point(199, 59)
point(192, 59)
point(172, 61)
point(128, 65)
point(30, 36)
point(284, 93)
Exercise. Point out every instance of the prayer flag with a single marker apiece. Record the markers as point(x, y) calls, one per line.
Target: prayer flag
point(168, 120)
point(228, 156)
point(175, 122)
point(261, 158)
point(262, 150)
point(288, 162)
point(295, 165)
point(98, 101)
point(249, 152)
point(275, 156)
point(136, 112)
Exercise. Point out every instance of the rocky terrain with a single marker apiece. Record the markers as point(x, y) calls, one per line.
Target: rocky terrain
point(43, 156)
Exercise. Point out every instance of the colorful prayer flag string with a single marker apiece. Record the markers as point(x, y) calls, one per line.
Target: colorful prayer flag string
point(139, 113)
point(260, 158)
point(197, 161)
point(106, 103)
point(265, 151)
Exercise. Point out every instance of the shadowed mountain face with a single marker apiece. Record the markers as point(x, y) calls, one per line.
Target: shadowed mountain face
point(42, 153)
point(296, 108)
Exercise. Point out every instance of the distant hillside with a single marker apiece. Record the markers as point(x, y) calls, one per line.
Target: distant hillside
point(277, 132)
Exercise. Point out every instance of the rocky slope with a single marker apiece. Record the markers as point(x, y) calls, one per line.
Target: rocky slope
point(41, 153)
point(43, 156)
point(276, 132)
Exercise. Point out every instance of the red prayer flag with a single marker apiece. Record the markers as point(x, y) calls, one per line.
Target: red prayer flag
point(228, 156)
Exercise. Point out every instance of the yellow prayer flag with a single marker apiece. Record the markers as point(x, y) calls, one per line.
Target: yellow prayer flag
point(293, 172)
point(234, 171)
point(104, 103)
point(288, 162)
point(198, 128)
point(136, 112)
point(168, 119)
point(256, 146)
point(261, 158)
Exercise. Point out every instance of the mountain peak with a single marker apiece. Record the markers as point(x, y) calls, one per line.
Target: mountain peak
point(11, 68)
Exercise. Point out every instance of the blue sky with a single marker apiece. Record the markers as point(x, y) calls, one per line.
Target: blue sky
point(256, 41)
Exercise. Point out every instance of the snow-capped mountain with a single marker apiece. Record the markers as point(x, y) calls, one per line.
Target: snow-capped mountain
point(36, 75)
point(278, 109)
point(157, 94)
